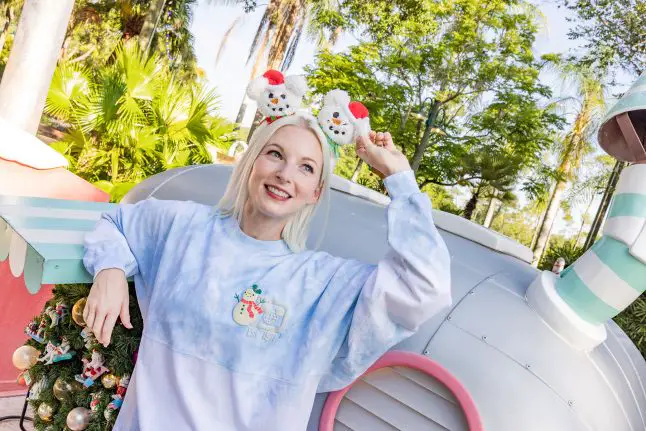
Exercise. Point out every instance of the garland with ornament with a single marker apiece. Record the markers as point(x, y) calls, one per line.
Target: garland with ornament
point(75, 383)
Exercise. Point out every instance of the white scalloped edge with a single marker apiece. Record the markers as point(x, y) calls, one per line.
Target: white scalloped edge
point(15, 248)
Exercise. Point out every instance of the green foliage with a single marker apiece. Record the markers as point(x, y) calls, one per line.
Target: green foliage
point(612, 33)
point(452, 81)
point(566, 250)
point(132, 119)
point(633, 322)
point(118, 359)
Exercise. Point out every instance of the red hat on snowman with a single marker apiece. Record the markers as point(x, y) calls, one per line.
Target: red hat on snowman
point(343, 120)
point(277, 95)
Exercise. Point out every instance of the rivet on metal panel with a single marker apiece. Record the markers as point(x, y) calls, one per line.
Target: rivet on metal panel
point(528, 366)
point(471, 292)
point(426, 352)
point(570, 403)
point(484, 337)
point(448, 317)
point(57, 266)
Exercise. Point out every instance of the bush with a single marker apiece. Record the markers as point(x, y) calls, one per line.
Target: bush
point(567, 251)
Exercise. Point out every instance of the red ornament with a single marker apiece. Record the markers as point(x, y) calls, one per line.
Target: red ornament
point(358, 110)
point(274, 77)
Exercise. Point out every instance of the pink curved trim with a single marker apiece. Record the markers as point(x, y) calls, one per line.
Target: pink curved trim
point(417, 362)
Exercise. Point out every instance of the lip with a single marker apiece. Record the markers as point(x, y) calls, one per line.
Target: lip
point(275, 196)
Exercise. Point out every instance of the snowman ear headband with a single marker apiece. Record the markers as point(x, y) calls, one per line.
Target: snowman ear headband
point(340, 119)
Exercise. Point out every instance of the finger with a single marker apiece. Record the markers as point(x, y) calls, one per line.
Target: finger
point(97, 327)
point(125, 314)
point(372, 135)
point(89, 315)
point(108, 326)
point(388, 141)
point(379, 140)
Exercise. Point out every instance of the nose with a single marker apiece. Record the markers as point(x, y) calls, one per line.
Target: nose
point(274, 101)
point(336, 121)
point(285, 173)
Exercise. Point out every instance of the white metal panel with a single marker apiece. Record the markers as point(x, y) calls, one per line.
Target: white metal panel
point(507, 396)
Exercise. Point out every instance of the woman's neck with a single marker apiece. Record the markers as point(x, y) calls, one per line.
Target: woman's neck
point(259, 226)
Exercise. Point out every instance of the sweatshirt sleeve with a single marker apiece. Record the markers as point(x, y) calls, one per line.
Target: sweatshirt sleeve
point(130, 237)
point(373, 307)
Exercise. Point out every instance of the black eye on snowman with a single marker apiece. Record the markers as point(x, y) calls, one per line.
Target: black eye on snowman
point(271, 95)
point(283, 96)
point(335, 115)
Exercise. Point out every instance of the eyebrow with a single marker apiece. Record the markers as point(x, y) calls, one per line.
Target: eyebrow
point(283, 150)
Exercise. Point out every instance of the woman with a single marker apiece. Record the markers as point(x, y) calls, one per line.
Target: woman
point(241, 324)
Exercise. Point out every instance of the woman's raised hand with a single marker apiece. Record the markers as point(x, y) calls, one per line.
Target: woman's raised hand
point(108, 300)
point(380, 153)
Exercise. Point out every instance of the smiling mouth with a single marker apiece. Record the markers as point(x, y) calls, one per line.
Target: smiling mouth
point(277, 193)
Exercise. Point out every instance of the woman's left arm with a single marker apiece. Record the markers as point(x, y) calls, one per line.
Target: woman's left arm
point(408, 286)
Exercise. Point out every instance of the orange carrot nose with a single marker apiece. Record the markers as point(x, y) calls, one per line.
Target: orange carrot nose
point(336, 121)
point(274, 101)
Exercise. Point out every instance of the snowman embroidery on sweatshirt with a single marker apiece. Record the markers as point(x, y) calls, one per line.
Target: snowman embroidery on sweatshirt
point(264, 319)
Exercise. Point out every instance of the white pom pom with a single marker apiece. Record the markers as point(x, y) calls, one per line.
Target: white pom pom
point(297, 84)
point(256, 87)
point(336, 97)
point(362, 126)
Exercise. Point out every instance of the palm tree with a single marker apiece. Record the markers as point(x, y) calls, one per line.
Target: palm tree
point(574, 146)
point(132, 119)
point(279, 33)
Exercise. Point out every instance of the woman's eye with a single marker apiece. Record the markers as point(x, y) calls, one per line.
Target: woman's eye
point(275, 153)
point(308, 168)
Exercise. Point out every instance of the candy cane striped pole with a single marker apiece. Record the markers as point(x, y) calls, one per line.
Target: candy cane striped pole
point(612, 274)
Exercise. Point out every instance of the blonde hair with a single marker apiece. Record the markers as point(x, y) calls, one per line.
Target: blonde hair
point(232, 203)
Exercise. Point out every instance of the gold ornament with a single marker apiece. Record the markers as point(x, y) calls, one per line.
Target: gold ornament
point(45, 412)
point(109, 381)
point(25, 357)
point(63, 390)
point(77, 312)
point(78, 419)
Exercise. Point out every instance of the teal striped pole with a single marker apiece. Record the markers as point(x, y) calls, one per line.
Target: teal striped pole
point(612, 274)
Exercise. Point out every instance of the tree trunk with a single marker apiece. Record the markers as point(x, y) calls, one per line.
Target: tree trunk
point(471, 205)
point(585, 213)
point(430, 122)
point(604, 204)
point(548, 221)
point(34, 53)
point(357, 170)
point(150, 24)
point(257, 64)
point(491, 210)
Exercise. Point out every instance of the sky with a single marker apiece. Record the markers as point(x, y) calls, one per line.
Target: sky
point(230, 75)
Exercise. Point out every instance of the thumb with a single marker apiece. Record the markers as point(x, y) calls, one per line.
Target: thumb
point(125, 314)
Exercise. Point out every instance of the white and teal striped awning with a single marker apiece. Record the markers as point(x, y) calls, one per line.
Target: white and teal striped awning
point(43, 238)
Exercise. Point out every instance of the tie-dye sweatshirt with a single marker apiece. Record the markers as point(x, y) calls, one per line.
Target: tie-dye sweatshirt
point(239, 334)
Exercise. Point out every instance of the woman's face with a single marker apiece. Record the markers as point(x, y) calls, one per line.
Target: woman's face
point(286, 175)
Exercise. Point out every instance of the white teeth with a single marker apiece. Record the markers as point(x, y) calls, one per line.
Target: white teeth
point(278, 192)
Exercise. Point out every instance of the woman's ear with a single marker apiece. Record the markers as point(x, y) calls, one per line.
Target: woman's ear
point(317, 193)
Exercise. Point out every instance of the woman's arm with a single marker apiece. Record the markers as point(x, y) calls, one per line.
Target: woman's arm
point(124, 243)
point(373, 308)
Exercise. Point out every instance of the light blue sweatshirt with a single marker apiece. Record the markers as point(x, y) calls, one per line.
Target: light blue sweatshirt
point(239, 334)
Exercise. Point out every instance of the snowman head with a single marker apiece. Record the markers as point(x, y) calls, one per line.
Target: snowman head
point(343, 120)
point(251, 293)
point(277, 95)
